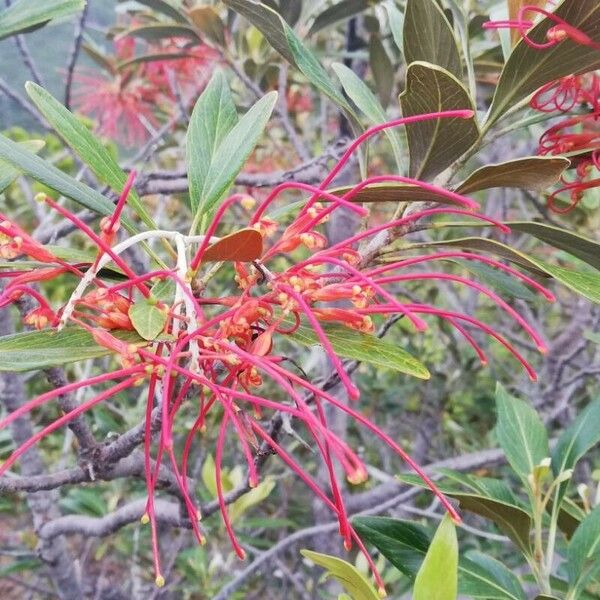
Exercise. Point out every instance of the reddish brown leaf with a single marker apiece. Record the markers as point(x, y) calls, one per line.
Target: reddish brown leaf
point(243, 246)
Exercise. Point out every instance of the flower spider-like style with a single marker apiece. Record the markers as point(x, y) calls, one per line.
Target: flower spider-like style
point(577, 135)
point(556, 34)
point(217, 353)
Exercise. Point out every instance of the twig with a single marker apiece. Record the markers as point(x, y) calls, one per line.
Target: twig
point(74, 54)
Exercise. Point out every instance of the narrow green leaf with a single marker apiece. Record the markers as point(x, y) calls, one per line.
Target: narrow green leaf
point(492, 500)
point(500, 281)
point(367, 103)
point(437, 578)
point(575, 441)
point(213, 117)
point(160, 56)
point(27, 14)
point(535, 173)
point(340, 11)
point(164, 7)
point(33, 350)
point(570, 514)
point(314, 71)
point(428, 37)
point(86, 146)
point(8, 173)
point(479, 245)
point(283, 39)
point(583, 553)
point(585, 283)
point(148, 319)
point(218, 144)
point(353, 581)
point(527, 69)
point(576, 244)
point(435, 144)
point(489, 578)
point(521, 434)
point(382, 69)
point(396, 21)
point(46, 173)
point(355, 345)
point(510, 519)
point(159, 31)
point(267, 21)
point(405, 543)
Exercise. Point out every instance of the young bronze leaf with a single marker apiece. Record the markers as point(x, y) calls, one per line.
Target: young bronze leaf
point(243, 246)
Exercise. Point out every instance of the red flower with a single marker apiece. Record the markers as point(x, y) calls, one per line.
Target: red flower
point(219, 350)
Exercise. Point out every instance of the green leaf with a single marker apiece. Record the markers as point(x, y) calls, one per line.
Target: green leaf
point(365, 100)
point(510, 519)
point(396, 21)
point(253, 498)
point(159, 31)
point(218, 144)
point(403, 543)
point(24, 15)
point(583, 282)
point(340, 11)
point(355, 345)
point(163, 7)
point(86, 146)
point(313, 70)
point(435, 144)
point(46, 173)
point(521, 434)
point(33, 350)
point(428, 37)
point(148, 319)
point(527, 69)
point(214, 116)
point(353, 581)
point(499, 280)
point(534, 173)
point(479, 245)
point(570, 515)
point(583, 553)
point(160, 56)
point(582, 247)
point(267, 21)
point(488, 578)
point(283, 39)
point(8, 173)
point(494, 502)
point(437, 578)
point(382, 69)
point(575, 441)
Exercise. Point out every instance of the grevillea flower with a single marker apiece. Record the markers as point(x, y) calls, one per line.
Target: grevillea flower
point(219, 353)
point(556, 34)
point(578, 136)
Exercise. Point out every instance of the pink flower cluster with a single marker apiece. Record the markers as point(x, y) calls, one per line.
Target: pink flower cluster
point(220, 355)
